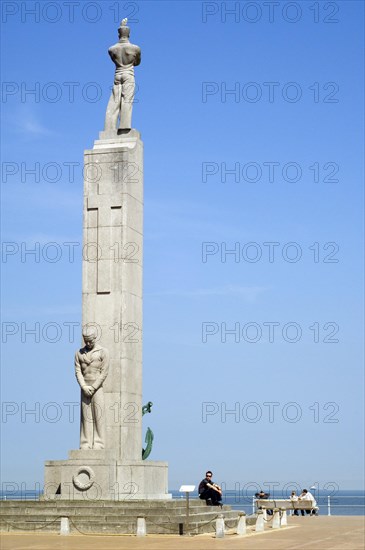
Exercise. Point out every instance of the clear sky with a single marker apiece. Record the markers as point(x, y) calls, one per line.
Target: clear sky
point(252, 124)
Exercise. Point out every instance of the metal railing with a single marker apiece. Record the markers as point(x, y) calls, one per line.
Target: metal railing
point(331, 503)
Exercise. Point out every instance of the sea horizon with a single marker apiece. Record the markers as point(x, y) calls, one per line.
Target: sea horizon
point(342, 502)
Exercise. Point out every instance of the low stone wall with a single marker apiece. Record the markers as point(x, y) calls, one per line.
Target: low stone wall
point(162, 517)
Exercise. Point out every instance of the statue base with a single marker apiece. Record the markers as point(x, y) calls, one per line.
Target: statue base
point(95, 475)
point(116, 138)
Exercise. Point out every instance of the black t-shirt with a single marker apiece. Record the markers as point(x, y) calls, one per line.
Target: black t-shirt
point(262, 495)
point(203, 485)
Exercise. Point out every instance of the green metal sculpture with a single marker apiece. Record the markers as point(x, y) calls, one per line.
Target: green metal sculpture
point(149, 435)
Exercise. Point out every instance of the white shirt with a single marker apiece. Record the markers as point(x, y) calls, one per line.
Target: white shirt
point(309, 496)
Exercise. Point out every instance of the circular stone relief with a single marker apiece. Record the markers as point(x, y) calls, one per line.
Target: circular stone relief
point(84, 478)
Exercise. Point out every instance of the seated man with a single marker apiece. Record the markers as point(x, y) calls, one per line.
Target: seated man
point(265, 496)
point(306, 495)
point(209, 491)
point(294, 498)
point(262, 494)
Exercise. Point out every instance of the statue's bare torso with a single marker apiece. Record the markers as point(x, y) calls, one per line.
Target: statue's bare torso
point(125, 55)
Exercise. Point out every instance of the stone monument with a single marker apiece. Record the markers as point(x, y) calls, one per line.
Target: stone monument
point(125, 56)
point(91, 368)
point(108, 368)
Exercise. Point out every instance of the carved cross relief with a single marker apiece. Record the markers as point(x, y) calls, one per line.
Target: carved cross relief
point(104, 203)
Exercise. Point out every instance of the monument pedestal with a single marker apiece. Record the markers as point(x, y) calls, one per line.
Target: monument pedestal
point(112, 303)
point(96, 475)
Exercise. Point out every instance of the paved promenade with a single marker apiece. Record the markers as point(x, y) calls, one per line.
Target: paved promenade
point(309, 533)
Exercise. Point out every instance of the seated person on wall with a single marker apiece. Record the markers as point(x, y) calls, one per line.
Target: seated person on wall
point(265, 496)
point(306, 495)
point(210, 491)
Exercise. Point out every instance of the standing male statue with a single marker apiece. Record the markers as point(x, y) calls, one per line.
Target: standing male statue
point(91, 369)
point(125, 56)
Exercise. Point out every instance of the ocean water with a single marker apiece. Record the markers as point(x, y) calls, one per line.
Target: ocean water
point(342, 502)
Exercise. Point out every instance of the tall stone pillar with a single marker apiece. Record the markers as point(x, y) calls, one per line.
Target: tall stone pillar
point(112, 304)
point(112, 281)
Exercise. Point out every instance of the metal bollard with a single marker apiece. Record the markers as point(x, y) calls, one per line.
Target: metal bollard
point(259, 527)
point(141, 527)
point(219, 527)
point(276, 519)
point(65, 526)
point(241, 525)
point(284, 519)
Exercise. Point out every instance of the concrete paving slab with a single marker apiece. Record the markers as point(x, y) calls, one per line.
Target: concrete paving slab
point(307, 533)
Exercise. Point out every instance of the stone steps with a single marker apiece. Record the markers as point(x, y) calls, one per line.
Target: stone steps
point(128, 528)
point(202, 516)
point(124, 504)
point(73, 511)
point(104, 504)
point(111, 517)
point(199, 516)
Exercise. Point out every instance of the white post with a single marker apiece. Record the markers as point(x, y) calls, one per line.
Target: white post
point(259, 527)
point(284, 519)
point(241, 526)
point(219, 527)
point(65, 526)
point(265, 513)
point(329, 505)
point(141, 527)
point(276, 519)
point(253, 505)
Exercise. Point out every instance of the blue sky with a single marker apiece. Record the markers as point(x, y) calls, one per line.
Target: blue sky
point(305, 130)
